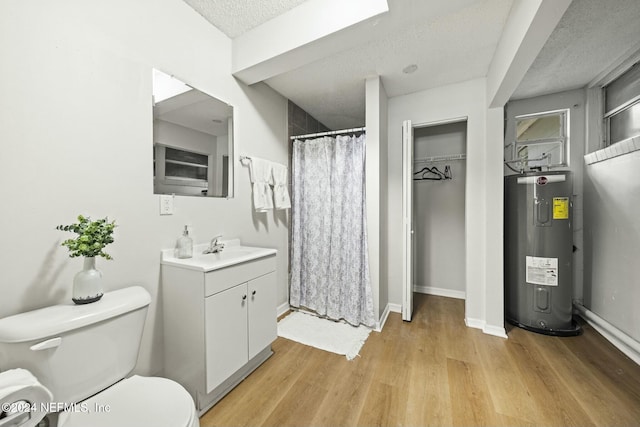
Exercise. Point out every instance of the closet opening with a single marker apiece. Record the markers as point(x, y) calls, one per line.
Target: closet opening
point(436, 206)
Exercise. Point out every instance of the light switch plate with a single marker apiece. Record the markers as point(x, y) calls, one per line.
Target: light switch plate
point(166, 204)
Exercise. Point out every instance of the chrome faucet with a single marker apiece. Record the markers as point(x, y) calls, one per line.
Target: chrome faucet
point(215, 246)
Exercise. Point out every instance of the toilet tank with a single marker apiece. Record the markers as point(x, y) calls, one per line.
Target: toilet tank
point(77, 350)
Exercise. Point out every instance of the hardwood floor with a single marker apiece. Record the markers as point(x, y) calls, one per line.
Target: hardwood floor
point(436, 371)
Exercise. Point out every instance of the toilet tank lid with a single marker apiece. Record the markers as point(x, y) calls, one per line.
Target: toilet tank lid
point(57, 319)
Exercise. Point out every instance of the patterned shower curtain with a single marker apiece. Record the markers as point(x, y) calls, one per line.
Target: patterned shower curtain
point(329, 257)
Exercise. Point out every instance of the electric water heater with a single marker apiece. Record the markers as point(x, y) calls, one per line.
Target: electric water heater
point(538, 251)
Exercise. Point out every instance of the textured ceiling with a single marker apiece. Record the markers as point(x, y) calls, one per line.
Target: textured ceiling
point(235, 17)
point(591, 36)
point(450, 41)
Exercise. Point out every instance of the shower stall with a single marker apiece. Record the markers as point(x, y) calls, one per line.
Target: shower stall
point(329, 253)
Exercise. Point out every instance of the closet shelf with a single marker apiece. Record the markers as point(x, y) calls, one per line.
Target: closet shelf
point(445, 158)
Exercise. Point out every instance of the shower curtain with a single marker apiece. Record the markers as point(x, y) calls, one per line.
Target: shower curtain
point(329, 258)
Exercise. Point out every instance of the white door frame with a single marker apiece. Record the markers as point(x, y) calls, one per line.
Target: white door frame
point(407, 210)
point(407, 220)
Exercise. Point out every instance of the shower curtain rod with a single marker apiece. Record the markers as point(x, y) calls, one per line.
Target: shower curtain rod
point(331, 132)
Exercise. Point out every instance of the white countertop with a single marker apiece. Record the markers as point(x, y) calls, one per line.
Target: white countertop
point(233, 253)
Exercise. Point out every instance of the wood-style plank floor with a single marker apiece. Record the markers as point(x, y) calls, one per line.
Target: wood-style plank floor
point(436, 371)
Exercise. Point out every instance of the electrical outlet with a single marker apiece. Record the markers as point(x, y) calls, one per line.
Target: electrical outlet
point(166, 205)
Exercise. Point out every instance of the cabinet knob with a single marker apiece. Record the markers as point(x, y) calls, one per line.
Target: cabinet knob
point(244, 297)
point(254, 292)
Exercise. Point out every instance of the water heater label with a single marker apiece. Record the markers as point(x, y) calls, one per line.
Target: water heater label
point(560, 208)
point(542, 271)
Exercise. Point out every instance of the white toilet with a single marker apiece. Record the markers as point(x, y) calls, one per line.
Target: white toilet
point(82, 354)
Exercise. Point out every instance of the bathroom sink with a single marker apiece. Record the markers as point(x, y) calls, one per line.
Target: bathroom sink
point(232, 253)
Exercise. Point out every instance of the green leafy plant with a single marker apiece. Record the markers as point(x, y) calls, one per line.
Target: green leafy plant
point(93, 236)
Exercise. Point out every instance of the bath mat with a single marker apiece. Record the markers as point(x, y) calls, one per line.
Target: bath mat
point(336, 337)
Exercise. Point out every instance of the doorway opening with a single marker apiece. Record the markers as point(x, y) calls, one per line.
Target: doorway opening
point(434, 210)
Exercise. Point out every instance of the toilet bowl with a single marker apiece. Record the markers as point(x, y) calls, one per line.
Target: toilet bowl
point(83, 354)
point(133, 402)
point(136, 401)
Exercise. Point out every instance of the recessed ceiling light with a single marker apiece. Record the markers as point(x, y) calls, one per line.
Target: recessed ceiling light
point(410, 69)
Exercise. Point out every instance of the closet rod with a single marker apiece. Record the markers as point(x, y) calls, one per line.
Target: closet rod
point(445, 158)
point(331, 132)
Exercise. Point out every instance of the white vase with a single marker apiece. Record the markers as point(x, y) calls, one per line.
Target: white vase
point(87, 284)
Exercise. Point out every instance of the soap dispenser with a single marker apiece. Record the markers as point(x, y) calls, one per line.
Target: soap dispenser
point(184, 246)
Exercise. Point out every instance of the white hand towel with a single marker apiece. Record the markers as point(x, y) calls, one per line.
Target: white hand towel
point(280, 191)
point(260, 173)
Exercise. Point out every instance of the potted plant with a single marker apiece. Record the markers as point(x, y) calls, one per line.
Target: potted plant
point(92, 238)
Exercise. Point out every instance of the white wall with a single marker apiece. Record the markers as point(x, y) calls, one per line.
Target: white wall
point(376, 172)
point(611, 227)
point(439, 213)
point(574, 101)
point(612, 241)
point(174, 135)
point(494, 224)
point(483, 222)
point(76, 133)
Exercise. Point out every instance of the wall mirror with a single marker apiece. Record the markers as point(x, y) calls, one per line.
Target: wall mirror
point(192, 140)
point(541, 139)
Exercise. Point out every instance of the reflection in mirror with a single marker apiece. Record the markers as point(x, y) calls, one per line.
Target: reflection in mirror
point(539, 127)
point(192, 140)
point(541, 139)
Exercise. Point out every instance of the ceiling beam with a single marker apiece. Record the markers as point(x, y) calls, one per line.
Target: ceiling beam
point(311, 31)
point(527, 29)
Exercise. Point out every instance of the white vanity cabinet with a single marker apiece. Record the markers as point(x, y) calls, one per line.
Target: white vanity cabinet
point(242, 317)
point(219, 324)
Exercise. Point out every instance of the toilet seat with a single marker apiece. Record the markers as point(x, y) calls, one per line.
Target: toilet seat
point(136, 401)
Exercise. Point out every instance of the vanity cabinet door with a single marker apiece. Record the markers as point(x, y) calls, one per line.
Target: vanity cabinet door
point(262, 313)
point(225, 334)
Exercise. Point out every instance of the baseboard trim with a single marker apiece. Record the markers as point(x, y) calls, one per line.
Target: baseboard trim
point(389, 308)
point(496, 331)
point(623, 342)
point(441, 292)
point(282, 309)
point(474, 323)
point(383, 319)
point(395, 308)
